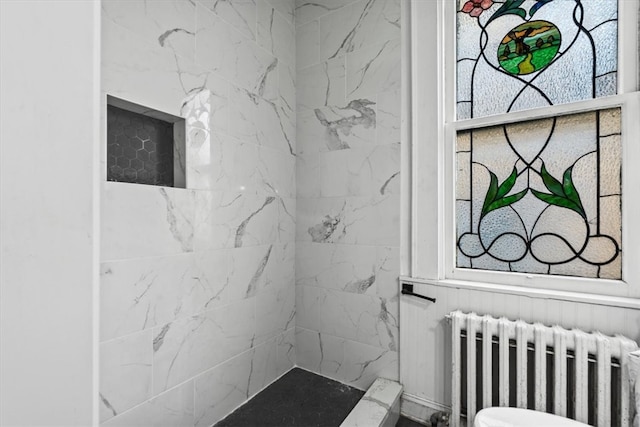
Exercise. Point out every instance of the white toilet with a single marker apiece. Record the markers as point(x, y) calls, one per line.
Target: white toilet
point(516, 417)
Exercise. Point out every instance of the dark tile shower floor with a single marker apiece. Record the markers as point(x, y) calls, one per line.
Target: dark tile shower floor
point(299, 399)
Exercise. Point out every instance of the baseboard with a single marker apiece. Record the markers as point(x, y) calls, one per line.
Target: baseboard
point(419, 409)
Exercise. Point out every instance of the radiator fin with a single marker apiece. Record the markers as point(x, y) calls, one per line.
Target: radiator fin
point(540, 333)
point(521, 364)
point(581, 378)
point(472, 330)
point(504, 366)
point(560, 363)
point(604, 372)
point(487, 361)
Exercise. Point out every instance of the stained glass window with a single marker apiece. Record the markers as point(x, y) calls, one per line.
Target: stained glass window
point(541, 196)
point(520, 54)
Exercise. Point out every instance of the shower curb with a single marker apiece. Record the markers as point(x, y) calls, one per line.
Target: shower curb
point(379, 407)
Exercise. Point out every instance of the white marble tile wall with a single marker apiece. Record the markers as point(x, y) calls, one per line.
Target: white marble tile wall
point(125, 360)
point(198, 284)
point(346, 360)
point(348, 206)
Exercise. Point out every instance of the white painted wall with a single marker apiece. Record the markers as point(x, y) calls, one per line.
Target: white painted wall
point(49, 86)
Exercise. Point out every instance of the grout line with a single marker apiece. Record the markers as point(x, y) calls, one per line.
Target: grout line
point(153, 397)
point(253, 395)
point(251, 40)
point(345, 339)
point(195, 377)
point(329, 378)
point(344, 55)
point(247, 300)
point(325, 14)
point(372, 296)
point(345, 245)
point(193, 408)
point(293, 14)
point(204, 251)
point(193, 60)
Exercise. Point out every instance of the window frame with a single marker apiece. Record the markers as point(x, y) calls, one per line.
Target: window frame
point(428, 247)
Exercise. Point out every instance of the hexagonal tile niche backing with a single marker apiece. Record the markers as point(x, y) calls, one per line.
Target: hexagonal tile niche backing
point(139, 148)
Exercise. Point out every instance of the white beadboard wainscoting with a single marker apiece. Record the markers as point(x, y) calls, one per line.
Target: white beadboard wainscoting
point(425, 338)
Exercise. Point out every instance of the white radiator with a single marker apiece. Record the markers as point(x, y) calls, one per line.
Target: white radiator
point(574, 374)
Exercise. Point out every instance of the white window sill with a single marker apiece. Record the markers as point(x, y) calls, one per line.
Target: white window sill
point(589, 298)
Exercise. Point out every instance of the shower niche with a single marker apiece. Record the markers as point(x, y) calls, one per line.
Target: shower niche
point(144, 146)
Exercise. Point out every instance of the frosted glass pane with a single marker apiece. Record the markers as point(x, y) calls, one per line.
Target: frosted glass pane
point(515, 55)
point(541, 196)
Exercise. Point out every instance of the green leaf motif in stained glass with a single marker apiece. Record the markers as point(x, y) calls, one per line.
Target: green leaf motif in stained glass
point(562, 203)
point(563, 195)
point(495, 198)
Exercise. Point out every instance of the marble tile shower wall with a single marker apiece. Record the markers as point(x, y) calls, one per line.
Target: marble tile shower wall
point(197, 284)
point(348, 164)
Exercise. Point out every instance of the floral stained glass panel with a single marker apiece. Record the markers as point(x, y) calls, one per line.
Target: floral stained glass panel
point(520, 54)
point(542, 196)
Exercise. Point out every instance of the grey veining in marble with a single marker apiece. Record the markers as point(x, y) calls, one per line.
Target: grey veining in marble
point(391, 324)
point(162, 39)
point(243, 225)
point(358, 25)
point(383, 189)
point(324, 230)
point(239, 13)
point(181, 227)
point(158, 340)
point(108, 405)
point(313, 9)
point(360, 286)
point(379, 407)
point(356, 113)
point(252, 288)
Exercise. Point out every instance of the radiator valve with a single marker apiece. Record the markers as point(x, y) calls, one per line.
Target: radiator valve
point(439, 419)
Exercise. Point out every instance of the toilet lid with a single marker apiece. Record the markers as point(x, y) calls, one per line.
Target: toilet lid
point(516, 417)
